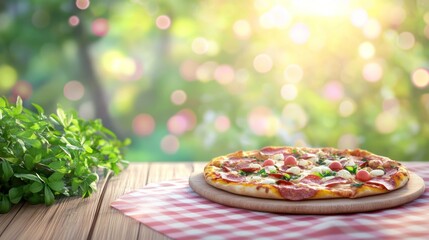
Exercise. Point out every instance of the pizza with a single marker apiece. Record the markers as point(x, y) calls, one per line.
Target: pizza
point(300, 173)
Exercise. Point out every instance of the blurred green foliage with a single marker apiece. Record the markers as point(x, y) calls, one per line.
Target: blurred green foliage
point(189, 80)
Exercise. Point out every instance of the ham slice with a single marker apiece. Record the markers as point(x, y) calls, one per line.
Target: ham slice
point(335, 181)
point(389, 184)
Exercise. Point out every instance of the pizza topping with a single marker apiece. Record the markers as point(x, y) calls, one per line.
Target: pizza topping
point(255, 178)
point(325, 179)
point(248, 167)
point(233, 177)
point(335, 180)
point(311, 179)
point(304, 163)
point(271, 150)
point(262, 173)
point(283, 182)
point(310, 157)
point(268, 181)
point(290, 161)
point(388, 184)
point(278, 157)
point(335, 166)
point(349, 163)
point(375, 163)
point(294, 170)
point(268, 162)
point(391, 172)
point(363, 175)
point(351, 169)
point(321, 171)
point(344, 174)
point(293, 192)
point(276, 175)
point(270, 169)
point(377, 173)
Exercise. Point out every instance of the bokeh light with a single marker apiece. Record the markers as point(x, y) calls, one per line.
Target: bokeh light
point(293, 73)
point(372, 29)
point(347, 107)
point(366, 50)
point(224, 74)
point(289, 92)
point(23, 89)
point(359, 17)
point(242, 29)
point(222, 123)
point(263, 63)
point(82, 4)
point(74, 90)
point(8, 77)
point(74, 20)
point(143, 124)
point(200, 45)
point(87, 110)
point(406, 40)
point(294, 117)
point(348, 141)
point(420, 78)
point(263, 122)
point(188, 70)
point(181, 122)
point(205, 71)
point(372, 72)
point(276, 17)
point(386, 122)
point(333, 90)
point(170, 144)
point(100, 27)
point(299, 33)
point(163, 22)
point(178, 97)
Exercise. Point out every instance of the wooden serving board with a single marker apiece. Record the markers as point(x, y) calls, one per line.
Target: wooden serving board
point(411, 191)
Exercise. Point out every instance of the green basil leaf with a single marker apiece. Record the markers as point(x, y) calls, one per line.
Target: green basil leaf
point(5, 204)
point(32, 177)
point(15, 195)
point(49, 196)
point(7, 171)
point(56, 176)
point(57, 186)
point(28, 161)
point(36, 187)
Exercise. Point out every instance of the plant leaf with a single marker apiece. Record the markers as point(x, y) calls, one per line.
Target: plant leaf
point(36, 187)
point(15, 195)
point(4, 204)
point(57, 186)
point(31, 177)
point(49, 196)
point(7, 171)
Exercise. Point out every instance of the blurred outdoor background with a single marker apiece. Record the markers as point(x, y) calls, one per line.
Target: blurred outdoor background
point(190, 80)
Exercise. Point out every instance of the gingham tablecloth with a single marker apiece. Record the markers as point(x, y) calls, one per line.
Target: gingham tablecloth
point(173, 209)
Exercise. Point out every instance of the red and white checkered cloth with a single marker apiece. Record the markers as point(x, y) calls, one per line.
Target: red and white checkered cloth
point(173, 209)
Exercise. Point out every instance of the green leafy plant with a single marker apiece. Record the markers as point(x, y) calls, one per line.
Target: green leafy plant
point(43, 158)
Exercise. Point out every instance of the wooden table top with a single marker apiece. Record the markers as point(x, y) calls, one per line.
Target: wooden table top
point(92, 218)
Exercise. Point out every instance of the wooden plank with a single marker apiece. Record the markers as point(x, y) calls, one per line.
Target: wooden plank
point(110, 223)
point(68, 218)
point(6, 218)
point(159, 172)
